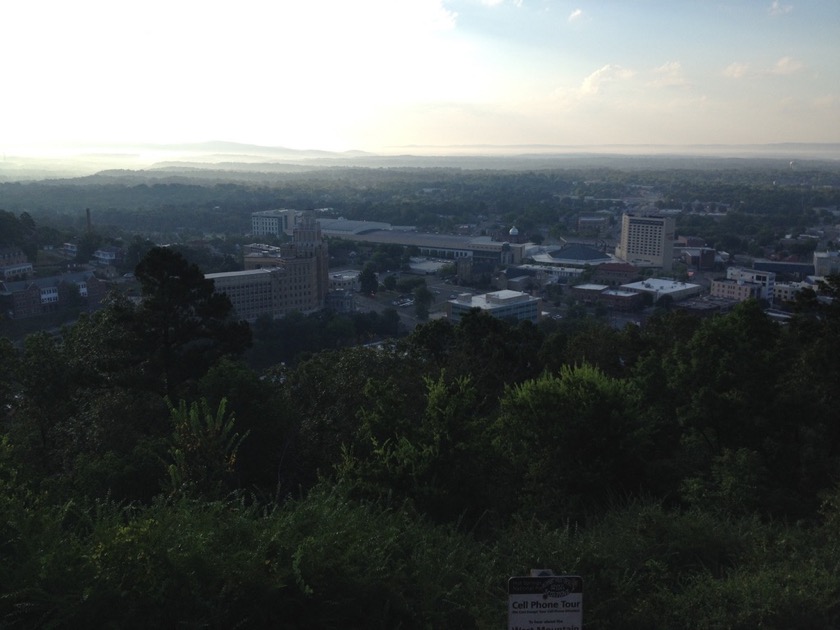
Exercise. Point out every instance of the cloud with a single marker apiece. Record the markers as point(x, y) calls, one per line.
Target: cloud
point(669, 74)
point(786, 65)
point(777, 8)
point(591, 85)
point(575, 15)
point(495, 3)
point(736, 70)
point(783, 67)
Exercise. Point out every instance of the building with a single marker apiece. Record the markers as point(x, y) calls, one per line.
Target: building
point(501, 304)
point(17, 271)
point(273, 222)
point(615, 273)
point(253, 293)
point(108, 255)
point(706, 305)
point(700, 258)
point(260, 256)
point(476, 249)
point(587, 292)
point(14, 264)
point(30, 298)
point(572, 255)
point(647, 240)
point(345, 281)
point(70, 250)
point(786, 291)
point(765, 279)
point(737, 290)
point(593, 222)
point(296, 281)
point(11, 256)
point(826, 263)
point(785, 268)
point(660, 287)
point(621, 299)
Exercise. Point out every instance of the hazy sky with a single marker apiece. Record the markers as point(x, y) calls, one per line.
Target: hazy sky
point(368, 74)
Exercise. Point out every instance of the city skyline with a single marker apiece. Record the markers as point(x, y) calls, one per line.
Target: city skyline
point(380, 75)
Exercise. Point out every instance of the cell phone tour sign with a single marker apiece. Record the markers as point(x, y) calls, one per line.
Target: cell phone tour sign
point(548, 602)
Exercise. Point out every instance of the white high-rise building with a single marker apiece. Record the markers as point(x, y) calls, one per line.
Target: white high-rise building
point(647, 240)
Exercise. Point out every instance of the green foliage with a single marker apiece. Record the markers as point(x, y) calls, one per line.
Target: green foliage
point(572, 440)
point(687, 470)
point(204, 449)
point(408, 284)
point(423, 298)
point(436, 453)
point(368, 282)
point(183, 324)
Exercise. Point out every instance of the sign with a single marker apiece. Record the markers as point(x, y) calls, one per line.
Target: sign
point(552, 602)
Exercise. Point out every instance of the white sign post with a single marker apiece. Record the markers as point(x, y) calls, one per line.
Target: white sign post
point(552, 602)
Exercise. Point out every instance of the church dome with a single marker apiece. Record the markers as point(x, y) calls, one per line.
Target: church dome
point(514, 231)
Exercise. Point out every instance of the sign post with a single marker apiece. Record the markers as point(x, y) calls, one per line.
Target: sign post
point(552, 602)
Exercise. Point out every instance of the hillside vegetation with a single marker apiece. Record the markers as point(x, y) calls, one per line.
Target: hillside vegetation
point(687, 470)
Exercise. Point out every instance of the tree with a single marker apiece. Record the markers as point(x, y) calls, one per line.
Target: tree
point(368, 283)
point(9, 375)
point(422, 300)
point(572, 439)
point(203, 450)
point(184, 324)
point(255, 403)
point(390, 282)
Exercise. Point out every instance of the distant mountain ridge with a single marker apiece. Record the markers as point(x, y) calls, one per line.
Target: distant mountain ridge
point(234, 157)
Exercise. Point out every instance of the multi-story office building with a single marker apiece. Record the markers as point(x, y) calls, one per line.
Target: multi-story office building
point(502, 304)
point(273, 222)
point(765, 279)
point(297, 281)
point(647, 240)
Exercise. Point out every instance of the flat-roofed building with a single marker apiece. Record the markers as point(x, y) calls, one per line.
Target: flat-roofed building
point(345, 281)
point(765, 279)
point(253, 292)
point(621, 299)
point(647, 240)
point(261, 256)
point(615, 273)
point(444, 246)
point(786, 291)
point(659, 287)
point(587, 292)
point(706, 305)
point(501, 304)
point(738, 290)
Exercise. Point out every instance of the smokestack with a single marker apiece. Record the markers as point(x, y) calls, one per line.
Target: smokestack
point(87, 211)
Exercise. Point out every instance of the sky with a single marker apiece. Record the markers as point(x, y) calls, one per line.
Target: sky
point(389, 75)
